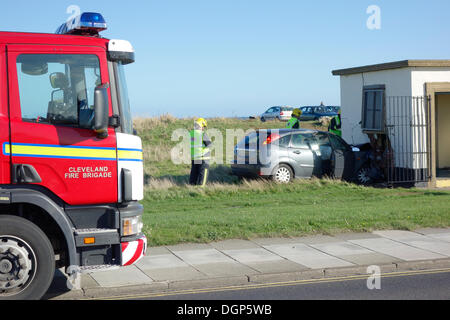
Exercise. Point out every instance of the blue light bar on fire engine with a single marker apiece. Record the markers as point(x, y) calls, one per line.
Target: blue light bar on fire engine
point(88, 23)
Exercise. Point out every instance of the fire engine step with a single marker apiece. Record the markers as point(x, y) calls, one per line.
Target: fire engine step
point(91, 269)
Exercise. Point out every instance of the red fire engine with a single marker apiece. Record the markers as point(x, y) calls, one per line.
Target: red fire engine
point(71, 170)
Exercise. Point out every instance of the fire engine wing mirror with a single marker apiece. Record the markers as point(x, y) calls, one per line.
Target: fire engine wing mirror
point(101, 111)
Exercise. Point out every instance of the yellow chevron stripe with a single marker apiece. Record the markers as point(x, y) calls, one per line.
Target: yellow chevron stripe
point(53, 151)
point(126, 154)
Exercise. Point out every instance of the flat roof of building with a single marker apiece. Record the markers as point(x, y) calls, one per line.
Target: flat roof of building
point(392, 65)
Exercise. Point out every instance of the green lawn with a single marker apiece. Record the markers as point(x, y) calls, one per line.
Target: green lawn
point(228, 208)
point(262, 209)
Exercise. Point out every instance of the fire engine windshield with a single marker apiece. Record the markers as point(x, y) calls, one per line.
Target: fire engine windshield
point(124, 103)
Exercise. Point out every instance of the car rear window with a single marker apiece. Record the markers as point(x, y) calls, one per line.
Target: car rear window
point(252, 140)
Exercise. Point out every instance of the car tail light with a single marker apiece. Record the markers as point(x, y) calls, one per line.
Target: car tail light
point(281, 113)
point(271, 138)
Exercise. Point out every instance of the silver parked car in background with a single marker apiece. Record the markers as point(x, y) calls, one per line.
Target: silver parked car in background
point(282, 113)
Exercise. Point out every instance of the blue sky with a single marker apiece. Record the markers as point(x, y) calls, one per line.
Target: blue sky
point(238, 57)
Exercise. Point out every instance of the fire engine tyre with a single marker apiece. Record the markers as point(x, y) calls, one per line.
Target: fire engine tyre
point(27, 261)
point(283, 174)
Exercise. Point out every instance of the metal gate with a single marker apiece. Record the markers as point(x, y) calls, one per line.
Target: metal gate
point(408, 155)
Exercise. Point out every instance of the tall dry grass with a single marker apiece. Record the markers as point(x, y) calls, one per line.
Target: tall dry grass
point(153, 122)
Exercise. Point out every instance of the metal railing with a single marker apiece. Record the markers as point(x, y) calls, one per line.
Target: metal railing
point(407, 122)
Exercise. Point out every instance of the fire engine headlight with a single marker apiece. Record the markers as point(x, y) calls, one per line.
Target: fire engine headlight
point(131, 225)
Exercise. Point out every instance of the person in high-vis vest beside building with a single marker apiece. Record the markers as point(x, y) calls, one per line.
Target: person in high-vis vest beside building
point(294, 122)
point(336, 125)
point(200, 153)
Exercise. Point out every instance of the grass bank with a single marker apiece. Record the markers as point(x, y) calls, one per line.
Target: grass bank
point(178, 213)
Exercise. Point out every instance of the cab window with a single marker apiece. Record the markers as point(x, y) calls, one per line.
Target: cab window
point(57, 88)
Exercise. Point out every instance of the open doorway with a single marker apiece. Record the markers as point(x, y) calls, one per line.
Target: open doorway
point(443, 136)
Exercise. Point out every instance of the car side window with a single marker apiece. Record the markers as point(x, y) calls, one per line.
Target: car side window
point(285, 141)
point(58, 88)
point(338, 143)
point(269, 110)
point(324, 145)
point(301, 140)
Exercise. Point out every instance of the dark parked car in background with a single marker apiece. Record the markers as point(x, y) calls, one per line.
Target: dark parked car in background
point(315, 113)
point(287, 154)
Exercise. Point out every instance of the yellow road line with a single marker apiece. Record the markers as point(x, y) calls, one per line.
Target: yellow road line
point(273, 285)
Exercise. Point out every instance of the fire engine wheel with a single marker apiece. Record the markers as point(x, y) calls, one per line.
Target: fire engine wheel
point(27, 262)
point(282, 174)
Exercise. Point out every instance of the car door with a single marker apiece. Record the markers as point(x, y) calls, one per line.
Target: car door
point(51, 109)
point(343, 158)
point(301, 155)
point(307, 116)
point(268, 113)
point(322, 147)
point(276, 112)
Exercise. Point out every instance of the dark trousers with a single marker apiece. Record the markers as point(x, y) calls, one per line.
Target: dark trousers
point(199, 172)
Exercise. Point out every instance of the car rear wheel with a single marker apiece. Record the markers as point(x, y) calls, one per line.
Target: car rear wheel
point(263, 119)
point(283, 174)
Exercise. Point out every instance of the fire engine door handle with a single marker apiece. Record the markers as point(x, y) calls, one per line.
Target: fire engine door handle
point(25, 173)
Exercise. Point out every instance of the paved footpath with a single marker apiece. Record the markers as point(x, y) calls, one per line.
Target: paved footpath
point(241, 262)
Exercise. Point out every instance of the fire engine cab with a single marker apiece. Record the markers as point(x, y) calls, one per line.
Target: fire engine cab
point(71, 166)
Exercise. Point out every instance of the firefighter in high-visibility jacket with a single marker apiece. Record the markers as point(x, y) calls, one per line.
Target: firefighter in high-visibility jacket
point(294, 122)
point(200, 153)
point(336, 125)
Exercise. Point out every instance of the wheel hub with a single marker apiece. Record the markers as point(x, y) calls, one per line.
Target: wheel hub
point(283, 175)
point(5, 266)
point(363, 176)
point(16, 264)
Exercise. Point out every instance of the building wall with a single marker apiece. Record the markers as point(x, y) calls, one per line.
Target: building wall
point(420, 76)
point(397, 82)
point(408, 144)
